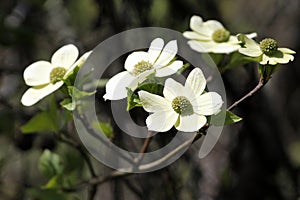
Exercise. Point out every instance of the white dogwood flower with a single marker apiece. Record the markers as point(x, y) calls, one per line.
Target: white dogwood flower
point(140, 64)
point(46, 77)
point(184, 107)
point(267, 50)
point(211, 37)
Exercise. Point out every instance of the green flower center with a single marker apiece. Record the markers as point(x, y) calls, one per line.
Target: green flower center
point(57, 74)
point(221, 35)
point(182, 106)
point(141, 66)
point(268, 46)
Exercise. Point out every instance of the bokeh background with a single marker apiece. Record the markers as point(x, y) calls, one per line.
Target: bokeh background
point(258, 158)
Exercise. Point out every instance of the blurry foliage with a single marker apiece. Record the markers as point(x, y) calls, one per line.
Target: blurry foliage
point(83, 15)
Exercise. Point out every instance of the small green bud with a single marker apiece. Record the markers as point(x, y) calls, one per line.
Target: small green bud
point(268, 46)
point(221, 35)
point(57, 74)
point(182, 106)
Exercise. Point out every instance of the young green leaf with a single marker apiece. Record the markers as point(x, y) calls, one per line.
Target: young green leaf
point(77, 94)
point(224, 117)
point(54, 183)
point(132, 100)
point(68, 104)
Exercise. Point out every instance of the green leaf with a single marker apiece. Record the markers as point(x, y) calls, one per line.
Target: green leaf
point(72, 77)
point(77, 94)
point(68, 104)
point(41, 122)
point(132, 100)
point(104, 128)
point(224, 117)
point(50, 164)
point(154, 88)
point(54, 183)
point(266, 71)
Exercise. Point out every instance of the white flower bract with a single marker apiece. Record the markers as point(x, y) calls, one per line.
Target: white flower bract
point(277, 56)
point(184, 107)
point(46, 77)
point(211, 37)
point(140, 64)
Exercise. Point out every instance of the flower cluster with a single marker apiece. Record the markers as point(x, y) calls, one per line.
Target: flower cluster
point(212, 37)
point(186, 107)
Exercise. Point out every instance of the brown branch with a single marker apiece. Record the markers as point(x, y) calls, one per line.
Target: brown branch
point(144, 148)
point(260, 84)
point(118, 174)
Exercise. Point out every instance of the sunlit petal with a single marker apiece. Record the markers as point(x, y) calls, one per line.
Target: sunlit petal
point(225, 47)
point(38, 73)
point(116, 86)
point(35, 94)
point(155, 49)
point(80, 61)
point(173, 89)
point(153, 103)
point(286, 50)
point(167, 54)
point(65, 56)
point(196, 24)
point(191, 123)
point(196, 82)
point(170, 69)
point(195, 36)
point(201, 46)
point(213, 25)
point(161, 121)
point(208, 104)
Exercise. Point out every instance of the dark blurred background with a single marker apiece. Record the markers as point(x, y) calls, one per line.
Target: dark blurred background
point(258, 158)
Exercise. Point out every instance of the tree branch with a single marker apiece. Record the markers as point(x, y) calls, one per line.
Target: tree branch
point(260, 84)
point(125, 172)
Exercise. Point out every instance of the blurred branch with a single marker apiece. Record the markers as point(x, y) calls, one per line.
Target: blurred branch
point(125, 172)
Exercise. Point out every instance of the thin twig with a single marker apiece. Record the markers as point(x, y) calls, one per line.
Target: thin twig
point(254, 90)
point(168, 156)
point(144, 148)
